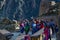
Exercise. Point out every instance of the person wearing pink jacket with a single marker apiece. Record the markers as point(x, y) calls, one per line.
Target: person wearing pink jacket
point(46, 33)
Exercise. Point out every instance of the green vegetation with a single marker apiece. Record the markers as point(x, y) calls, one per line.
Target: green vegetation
point(7, 24)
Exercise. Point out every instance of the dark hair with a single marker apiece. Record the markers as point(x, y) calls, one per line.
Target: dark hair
point(51, 19)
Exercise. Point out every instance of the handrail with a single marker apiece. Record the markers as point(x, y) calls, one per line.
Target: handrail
point(38, 35)
point(37, 38)
point(38, 32)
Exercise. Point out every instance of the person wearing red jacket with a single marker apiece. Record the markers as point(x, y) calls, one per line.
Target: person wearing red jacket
point(46, 32)
point(27, 37)
point(41, 25)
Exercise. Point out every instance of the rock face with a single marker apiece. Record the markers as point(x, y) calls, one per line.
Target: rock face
point(44, 5)
point(2, 37)
point(15, 9)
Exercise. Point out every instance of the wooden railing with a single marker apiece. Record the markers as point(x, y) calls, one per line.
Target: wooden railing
point(40, 37)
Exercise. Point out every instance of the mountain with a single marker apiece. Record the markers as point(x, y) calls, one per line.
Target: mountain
point(17, 9)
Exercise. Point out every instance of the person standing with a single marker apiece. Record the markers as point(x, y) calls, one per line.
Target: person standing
point(46, 33)
point(52, 25)
point(22, 25)
point(27, 37)
point(27, 27)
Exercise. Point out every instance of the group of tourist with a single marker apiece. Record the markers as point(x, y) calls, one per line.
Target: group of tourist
point(31, 26)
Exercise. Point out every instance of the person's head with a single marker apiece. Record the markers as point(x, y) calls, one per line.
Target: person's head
point(47, 21)
point(46, 26)
point(34, 21)
point(41, 21)
point(51, 20)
